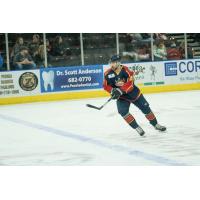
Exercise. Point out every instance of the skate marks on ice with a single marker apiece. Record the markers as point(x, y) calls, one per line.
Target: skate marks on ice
point(53, 158)
point(157, 159)
point(178, 142)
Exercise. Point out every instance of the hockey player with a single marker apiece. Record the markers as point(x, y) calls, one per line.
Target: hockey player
point(119, 82)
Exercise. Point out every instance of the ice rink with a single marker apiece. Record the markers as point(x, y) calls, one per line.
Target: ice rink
point(69, 133)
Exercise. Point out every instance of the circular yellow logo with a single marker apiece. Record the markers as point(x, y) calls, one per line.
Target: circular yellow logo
point(28, 81)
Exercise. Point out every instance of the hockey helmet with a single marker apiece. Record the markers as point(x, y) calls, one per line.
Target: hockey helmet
point(115, 58)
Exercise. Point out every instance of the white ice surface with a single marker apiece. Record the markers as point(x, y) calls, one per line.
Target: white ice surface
point(69, 133)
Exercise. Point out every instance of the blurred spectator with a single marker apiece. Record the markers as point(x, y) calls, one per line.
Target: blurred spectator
point(40, 57)
point(140, 53)
point(58, 47)
point(34, 45)
point(182, 50)
point(143, 52)
point(173, 53)
point(48, 46)
point(23, 60)
point(1, 62)
point(16, 48)
point(135, 37)
point(190, 52)
point(159, 51)
point(131, 54)
point(139, 37)
point(160, 36)
point(146, 36)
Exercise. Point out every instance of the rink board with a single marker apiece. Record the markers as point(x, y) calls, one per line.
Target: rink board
point(93, 94)
point(61, 83)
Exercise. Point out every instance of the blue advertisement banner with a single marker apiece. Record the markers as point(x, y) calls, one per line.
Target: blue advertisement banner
point(71, 78)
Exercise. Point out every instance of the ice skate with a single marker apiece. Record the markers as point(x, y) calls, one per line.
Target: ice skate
point(140, 131)
point(160, 128)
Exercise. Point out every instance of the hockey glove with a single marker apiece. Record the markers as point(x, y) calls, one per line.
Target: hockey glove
point(116, 93)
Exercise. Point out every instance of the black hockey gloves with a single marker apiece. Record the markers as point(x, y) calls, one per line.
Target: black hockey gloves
point(116, 93)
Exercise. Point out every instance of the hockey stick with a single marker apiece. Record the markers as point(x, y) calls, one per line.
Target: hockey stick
point(98, 108)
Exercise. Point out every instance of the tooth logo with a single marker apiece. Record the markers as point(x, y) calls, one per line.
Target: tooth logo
point(48, 78)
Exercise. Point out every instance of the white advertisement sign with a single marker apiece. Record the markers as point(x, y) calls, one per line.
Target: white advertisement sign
point(165, 72)
point(146, 74)
point(19, 83)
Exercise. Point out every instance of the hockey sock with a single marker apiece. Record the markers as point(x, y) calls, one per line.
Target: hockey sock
point(130, 120)
point(152, 119)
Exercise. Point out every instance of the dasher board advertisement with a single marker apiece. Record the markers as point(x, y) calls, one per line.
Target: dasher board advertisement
point(19, 83)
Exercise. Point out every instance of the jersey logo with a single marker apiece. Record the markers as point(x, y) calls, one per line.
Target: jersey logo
point(111, 75)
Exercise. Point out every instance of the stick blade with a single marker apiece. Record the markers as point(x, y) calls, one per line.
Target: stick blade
point(91, 106)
